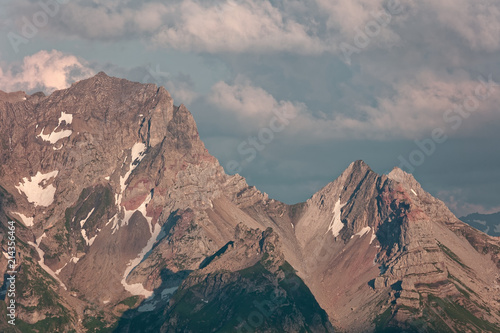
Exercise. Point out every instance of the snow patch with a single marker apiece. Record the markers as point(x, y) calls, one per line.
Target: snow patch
point(373, 237)
point(137, 288)
point(137, 153)
point(60, 269)
point(82, 222)
point(41, 262)
point(88, 241)
point(115, 225)
point(363, 231)
point(56, 136)
point(147, 307)
point(68, 118)
point(27, 221)
point(36, 190)
point(151, 304)
point(336, 224)
point(167, 292)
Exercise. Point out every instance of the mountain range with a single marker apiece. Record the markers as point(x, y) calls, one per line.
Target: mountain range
point(126, 223)
point(487, 223)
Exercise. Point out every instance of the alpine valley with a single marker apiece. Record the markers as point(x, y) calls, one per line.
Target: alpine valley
point(125, 223)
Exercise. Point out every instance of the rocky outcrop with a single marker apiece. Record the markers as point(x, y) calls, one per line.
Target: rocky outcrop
point(246, 286)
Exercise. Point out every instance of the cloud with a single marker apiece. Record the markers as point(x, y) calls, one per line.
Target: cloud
point(307, 27)
point(346, 17)
point(237, 26)
point(105, 21)
point(456, 200)
point(250, 102)
point(478, 22)
point(188, 25)
point(92, 20)
point(46, 71)
point(418, 106)
point(181, 87)
point(407, 110)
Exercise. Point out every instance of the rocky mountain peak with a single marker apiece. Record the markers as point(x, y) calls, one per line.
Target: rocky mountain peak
point(406, 179)
point(13, 97)
point(358, 166)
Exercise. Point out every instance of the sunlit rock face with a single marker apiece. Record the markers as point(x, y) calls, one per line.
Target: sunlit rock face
point(125, 218)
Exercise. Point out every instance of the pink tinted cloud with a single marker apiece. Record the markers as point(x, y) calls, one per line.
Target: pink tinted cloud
point(44, 70)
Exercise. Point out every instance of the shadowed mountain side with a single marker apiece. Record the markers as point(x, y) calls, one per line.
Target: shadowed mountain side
point(261, 292)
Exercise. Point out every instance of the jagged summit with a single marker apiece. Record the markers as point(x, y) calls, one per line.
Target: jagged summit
point(101, 74)
point(13, 97)
point(402, 176)
point(359, 165)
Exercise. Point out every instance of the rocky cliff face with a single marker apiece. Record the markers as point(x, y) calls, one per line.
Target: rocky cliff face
point(124, 216)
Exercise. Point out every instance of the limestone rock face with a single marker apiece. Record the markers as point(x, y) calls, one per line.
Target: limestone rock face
point(120, 207)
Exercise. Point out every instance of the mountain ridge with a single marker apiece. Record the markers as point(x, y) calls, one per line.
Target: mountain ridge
point(134, 190)
point(487, 223)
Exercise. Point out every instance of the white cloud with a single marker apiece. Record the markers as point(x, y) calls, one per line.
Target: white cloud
point(109, 21)
point(243, 26)
point(250, 102)
point(456, 201)
point(47, 71)
point(408, 110)
point(309, 27)
point(411, 110)
point(477, 21)
point(181, 92)
point(347, 16)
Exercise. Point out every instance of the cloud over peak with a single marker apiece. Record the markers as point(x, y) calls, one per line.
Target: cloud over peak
point(45, 71)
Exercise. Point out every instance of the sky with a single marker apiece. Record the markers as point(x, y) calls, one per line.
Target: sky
point(288, 93)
